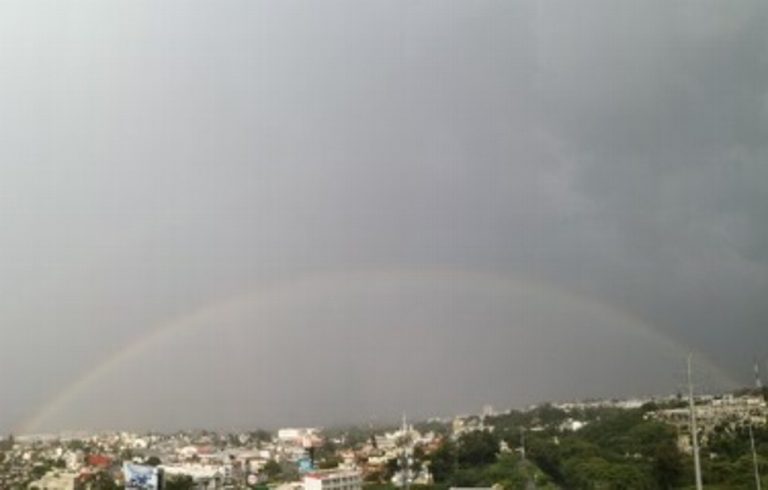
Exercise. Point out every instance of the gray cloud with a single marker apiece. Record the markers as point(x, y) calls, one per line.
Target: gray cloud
point(158, 158)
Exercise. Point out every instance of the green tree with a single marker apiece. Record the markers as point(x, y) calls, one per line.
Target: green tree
point(477, 448)
point(329, 461)
point(103, 480)
point(272, 469)
point(40, 469)
point(667, 465)
point(261, 435)
point(154, 461)
point(507, 471)
point(443, 462)
point(547, 456)
point(181, 482)
point(7, 443)
point(392, 467)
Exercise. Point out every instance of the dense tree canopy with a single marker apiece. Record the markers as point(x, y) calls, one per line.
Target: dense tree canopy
point(616, 449)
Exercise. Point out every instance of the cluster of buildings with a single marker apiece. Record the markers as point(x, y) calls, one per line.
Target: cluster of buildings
point(626, 404)
point(308, 458)
point(288, 459)
point(398, 445)
point(714, 412)
point(210, 460)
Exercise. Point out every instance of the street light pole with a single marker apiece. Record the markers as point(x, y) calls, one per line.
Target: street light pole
point(694, 430)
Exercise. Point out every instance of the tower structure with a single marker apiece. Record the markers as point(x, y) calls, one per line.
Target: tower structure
point(694, 429)
point(406, 455)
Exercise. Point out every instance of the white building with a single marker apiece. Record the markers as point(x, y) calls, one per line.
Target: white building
point(296, 435)
point(205, 476)
point(572, 425)
point(56, 480)
point(335, 479)
point(73, 460)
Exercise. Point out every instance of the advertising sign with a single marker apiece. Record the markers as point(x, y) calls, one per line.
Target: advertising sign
point(140, 477)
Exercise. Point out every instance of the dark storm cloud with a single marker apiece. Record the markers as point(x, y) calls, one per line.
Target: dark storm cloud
point(665, 109)
point(158, 158)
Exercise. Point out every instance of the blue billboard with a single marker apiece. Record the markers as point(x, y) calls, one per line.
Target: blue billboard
point(141, 477)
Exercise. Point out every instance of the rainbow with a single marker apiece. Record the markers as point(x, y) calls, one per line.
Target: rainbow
point(292, 291)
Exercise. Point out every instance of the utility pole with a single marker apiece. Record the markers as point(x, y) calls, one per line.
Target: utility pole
point(694, 430)
point(405, 464)
point(522, 443)
point(758, 484)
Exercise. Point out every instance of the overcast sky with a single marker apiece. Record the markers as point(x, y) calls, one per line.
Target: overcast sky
point(379, 185)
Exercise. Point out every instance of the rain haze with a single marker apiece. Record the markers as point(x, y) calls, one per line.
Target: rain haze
point(247, 214)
